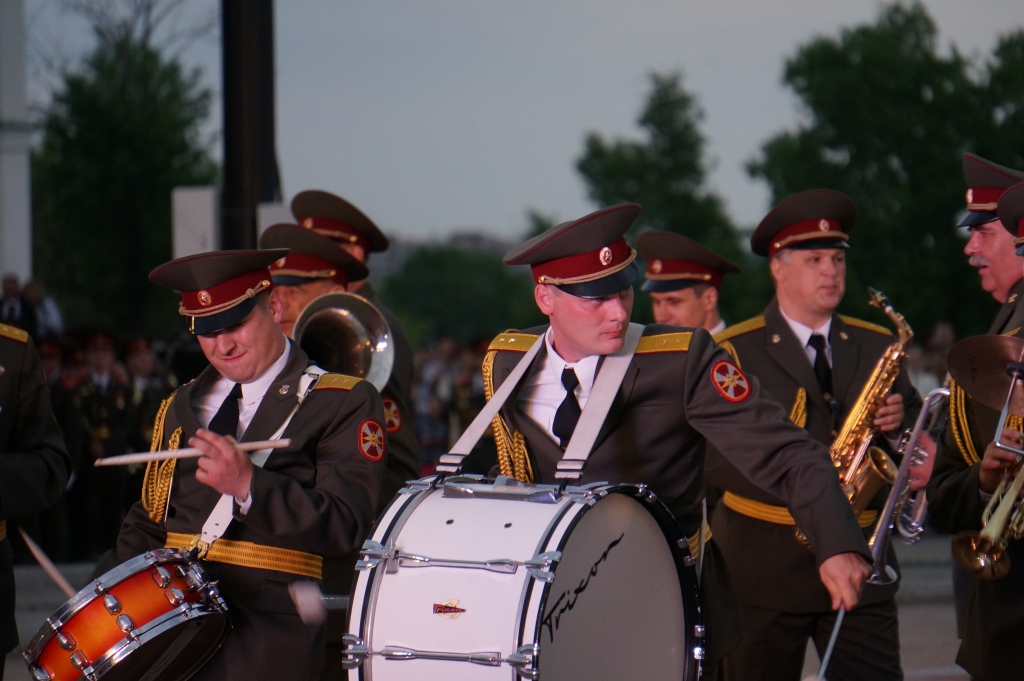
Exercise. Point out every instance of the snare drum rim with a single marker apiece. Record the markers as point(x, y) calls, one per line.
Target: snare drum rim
point(95, 590)
point(688, 585)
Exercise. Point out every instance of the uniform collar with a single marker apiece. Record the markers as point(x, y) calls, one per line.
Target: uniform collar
point(586, 368)
point(253, 392)
point(804, 332)
point(719, 327)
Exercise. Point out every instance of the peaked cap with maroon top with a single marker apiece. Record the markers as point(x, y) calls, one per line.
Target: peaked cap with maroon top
point(675, 262)
point(986, 183)
point(816, 218)
point(588, 257)
point(219, 289)
point(1011, 213)
point(335, 218)
point(310, 257)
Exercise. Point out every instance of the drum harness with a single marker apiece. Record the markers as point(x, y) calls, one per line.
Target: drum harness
point(581, 444)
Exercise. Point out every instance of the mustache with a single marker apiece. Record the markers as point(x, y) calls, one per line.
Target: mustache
point(977, 261)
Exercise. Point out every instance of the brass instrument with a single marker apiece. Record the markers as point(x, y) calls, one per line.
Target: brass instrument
point(345, 333)
point(910, 523)
point(899, 495)
point(864, 468)
point(974, 363)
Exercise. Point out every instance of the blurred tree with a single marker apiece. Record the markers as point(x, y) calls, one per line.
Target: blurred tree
point(446, 291)
point(887, 119)
point(665, 172)
point(120, 134)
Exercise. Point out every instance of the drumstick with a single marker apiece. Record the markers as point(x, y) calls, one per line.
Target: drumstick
point(186, 453)
point(831, 645)
point(47, 565)
point(311, 604)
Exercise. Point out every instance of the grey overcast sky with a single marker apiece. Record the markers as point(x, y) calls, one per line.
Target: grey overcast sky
point(444, 115)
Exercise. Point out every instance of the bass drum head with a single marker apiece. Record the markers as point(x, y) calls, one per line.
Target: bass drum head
point(175, 653)
point(615, 609)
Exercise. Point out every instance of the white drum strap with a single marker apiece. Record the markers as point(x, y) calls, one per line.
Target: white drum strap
point(450, 462)
point(220, 517)
point(606, 387)
point(702, 537)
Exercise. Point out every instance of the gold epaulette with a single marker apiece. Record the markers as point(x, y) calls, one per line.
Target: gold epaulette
point(247, 554)
point(13, 333)
point(798, 414)
point(336, 382)
point(731, 349)
point(664, 342)
point(752, 324)
point(513, 341)
point(861, 324)
point(1011, 332)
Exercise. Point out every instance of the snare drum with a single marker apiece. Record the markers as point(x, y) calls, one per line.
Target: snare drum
point(473, 580)
point(154, 617)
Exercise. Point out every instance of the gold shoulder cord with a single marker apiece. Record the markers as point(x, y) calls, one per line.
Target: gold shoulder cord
point(798, 414)
point(513, 460)
point(731, 349)
point(959, 425)
point(156, 483)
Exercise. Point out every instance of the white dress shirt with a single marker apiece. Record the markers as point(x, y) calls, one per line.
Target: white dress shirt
point(719, 327)
point(804, 333)
point(542, 392)
point(206, 405)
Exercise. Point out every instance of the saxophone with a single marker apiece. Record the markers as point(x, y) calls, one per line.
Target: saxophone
point(864, 468)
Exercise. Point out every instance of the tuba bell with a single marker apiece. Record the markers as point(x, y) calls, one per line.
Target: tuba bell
point(345, 333)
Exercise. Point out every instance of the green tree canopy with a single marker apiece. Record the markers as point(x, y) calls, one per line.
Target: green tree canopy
point(665, 172)
point(119, 135)
point(445, 291)
point(887, 119)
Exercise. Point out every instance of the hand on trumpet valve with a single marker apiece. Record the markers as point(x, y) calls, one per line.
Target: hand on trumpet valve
point(223, 465)
point(996, 460)
point(922, 462)
point(889, 417)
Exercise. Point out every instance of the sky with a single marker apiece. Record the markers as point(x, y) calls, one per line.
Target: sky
point(454, 115)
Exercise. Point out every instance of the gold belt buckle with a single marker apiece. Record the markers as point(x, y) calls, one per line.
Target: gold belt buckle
point(197, 544)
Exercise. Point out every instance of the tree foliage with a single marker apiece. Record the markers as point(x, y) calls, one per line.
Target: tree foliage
point(887, 119)
point(445, 291)
point(665, 172)
point(119, 135)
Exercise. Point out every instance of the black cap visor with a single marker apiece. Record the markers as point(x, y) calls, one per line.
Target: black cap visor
point(291, 280)
point(814, 244)
point(974, 218)
point(605, 286)
point(205, 326)
point(666, 286)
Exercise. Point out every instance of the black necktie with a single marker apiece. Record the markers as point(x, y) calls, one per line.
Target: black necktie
point(225, 421)
point(568, 413)
point(821, 368)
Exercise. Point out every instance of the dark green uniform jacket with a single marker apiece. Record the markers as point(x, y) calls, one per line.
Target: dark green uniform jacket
point(994, 635)
point(667, 409)
point(34, 464)
point(769, 567)
point(317, 496)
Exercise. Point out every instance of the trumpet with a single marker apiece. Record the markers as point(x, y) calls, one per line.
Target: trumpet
point(896, 504)
point(984, 553)
point(910, 524)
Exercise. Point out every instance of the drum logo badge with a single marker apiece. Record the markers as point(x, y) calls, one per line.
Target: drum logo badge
point(448, 609)
point(371, 440)
point(729, 381)
point(392, 416)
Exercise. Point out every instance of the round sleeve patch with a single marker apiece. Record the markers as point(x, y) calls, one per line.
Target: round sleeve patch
point(392, 415)
point(371, 440)
point(729, 381)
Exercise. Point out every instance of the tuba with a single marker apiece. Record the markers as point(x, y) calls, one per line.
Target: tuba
point(864, 468)
point(345, 333)
point(984, 553)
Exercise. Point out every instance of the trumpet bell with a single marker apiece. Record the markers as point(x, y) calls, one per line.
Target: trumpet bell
point(345, 333)
point(980, 556)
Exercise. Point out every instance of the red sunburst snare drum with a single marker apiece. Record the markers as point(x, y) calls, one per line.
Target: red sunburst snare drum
point(154, 617)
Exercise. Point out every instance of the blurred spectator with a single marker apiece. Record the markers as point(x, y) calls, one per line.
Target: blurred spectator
point(432, 429)
point(150, 385)
point(48, 319)
point(922, 379)
point(100, 425)
point(14, 309)
point(937, 346)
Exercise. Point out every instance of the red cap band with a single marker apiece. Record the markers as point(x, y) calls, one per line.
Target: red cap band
point(983, 199)
point(805, 230)
point(584, 267)
point(664, 269)
point(309, 267)
point(225, 295)
point(338, 230)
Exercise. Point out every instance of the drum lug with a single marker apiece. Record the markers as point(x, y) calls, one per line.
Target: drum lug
point(355, 652)
point(374, 552)
point(689, 561)
point(698, 653)
point(39, 674)
point(524, 661)
point(124, 623)
point(540, 566)
point(698, 630)
point(162, 577)
point(66, 641)
point(112, 605)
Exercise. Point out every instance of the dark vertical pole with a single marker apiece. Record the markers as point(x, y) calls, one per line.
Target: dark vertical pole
point(250, 159)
